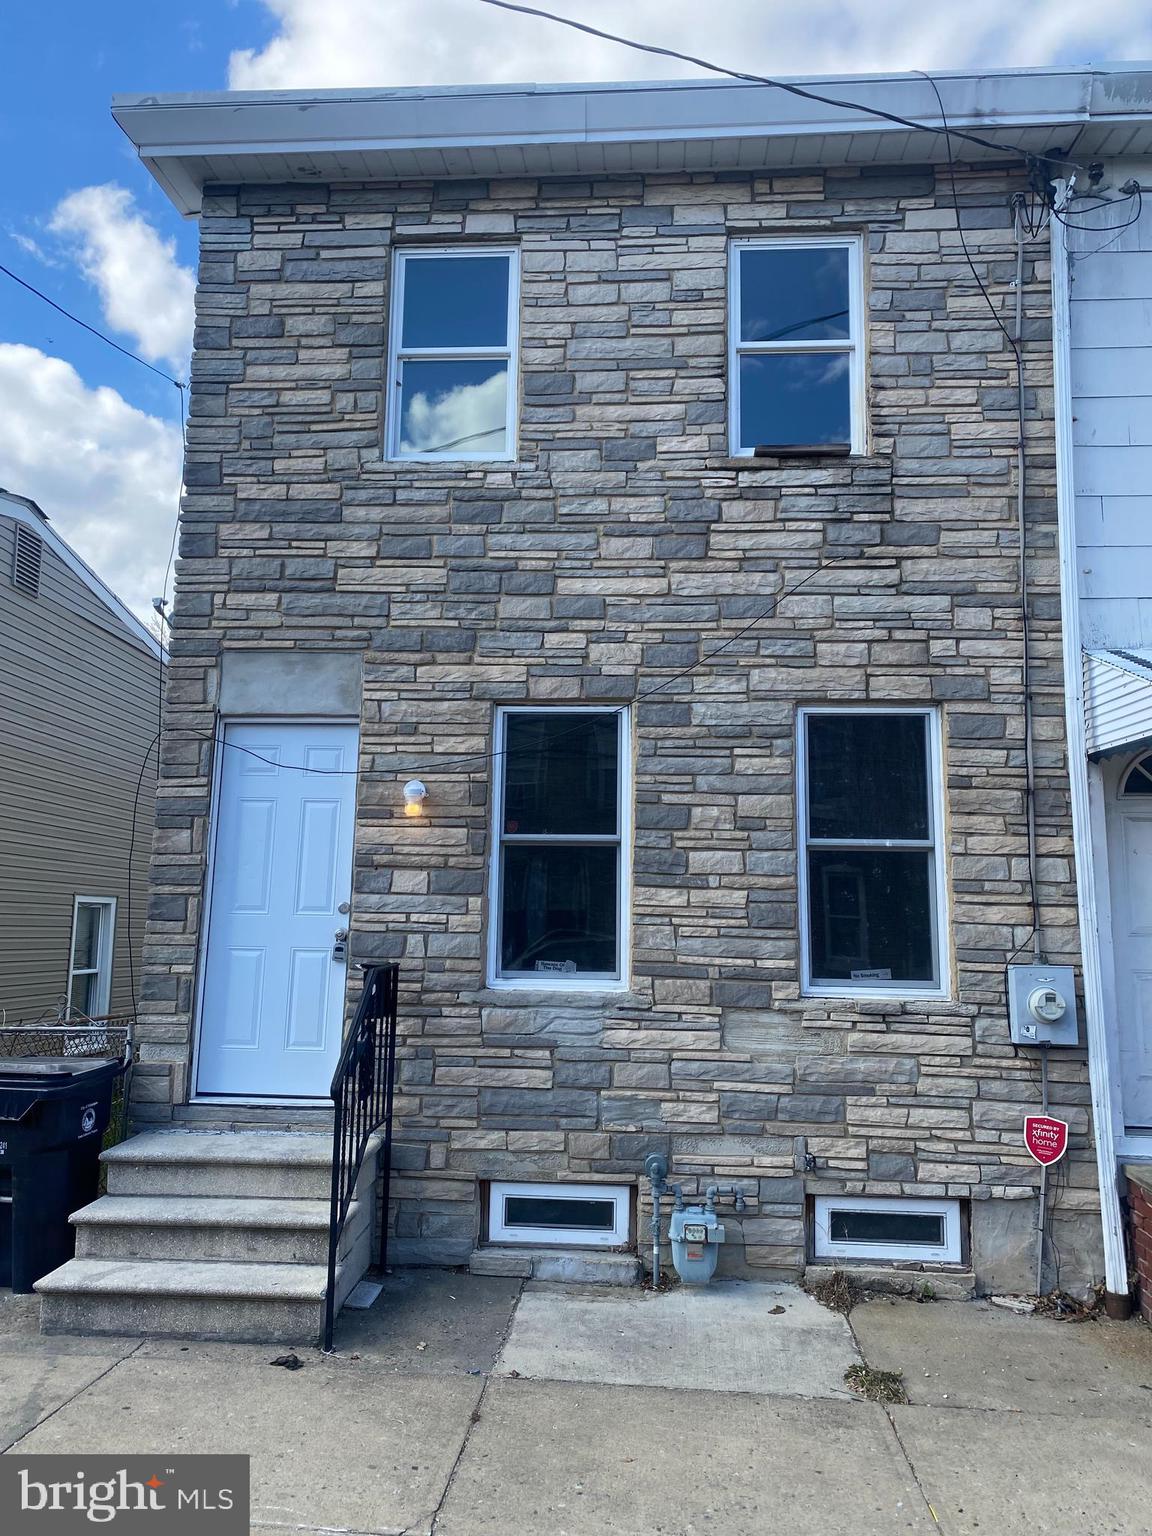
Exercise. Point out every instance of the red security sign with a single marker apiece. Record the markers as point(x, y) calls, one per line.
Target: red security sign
point(1046, 1138)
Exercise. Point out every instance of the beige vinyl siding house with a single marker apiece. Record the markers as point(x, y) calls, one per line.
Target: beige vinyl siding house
point(79, 700)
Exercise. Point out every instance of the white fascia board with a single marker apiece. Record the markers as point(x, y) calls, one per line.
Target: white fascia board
point(168, 130)
point(13, 508)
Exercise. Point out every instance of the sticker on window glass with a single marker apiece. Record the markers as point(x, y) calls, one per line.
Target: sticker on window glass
point(560, 967)
point(877, 973)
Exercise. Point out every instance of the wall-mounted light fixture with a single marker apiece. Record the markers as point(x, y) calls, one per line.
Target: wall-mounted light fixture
point(414, 797)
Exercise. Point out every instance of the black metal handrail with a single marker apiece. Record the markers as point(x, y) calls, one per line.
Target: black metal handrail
point(362, 1091)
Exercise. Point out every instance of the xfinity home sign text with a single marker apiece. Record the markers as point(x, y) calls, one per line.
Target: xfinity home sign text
point(148, 1495)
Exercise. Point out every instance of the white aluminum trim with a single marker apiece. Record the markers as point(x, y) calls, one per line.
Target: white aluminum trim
point(619, 1195)
point(398, 354)
point(541, 981)
point(1093, 902)
point(269, 135)
point(824, 1247)
point(941, 927)
point(854, 345)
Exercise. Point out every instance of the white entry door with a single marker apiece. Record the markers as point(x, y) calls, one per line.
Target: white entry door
point(273, 988)
point(1130, 874)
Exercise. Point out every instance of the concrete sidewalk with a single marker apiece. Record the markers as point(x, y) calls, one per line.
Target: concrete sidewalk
point(463, 1405)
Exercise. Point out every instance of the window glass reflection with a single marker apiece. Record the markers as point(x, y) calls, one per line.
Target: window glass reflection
point(456, 406)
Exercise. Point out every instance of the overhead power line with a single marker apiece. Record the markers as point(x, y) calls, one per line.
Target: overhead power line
point(779, 85)
point(91, 329)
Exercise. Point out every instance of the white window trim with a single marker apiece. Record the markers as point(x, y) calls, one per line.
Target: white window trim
point(397, 354)
point(823, 1246)
point(854, 345)
point(941, 948)
point(105, 947)
point(619, 1194)
point(532, 981)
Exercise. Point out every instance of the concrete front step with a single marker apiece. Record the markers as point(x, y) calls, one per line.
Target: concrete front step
point(574, 1266)
point(258, 1303)
point(276, 1165)
point(220, 1235)
point(180, 1227)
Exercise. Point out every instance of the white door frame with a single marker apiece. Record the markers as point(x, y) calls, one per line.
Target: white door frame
point(1134, 1146)
point(222, 724)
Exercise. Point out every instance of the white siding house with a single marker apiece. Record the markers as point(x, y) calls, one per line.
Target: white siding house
point(1102, 274)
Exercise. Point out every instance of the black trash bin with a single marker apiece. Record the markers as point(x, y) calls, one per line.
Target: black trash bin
point(53, 1114)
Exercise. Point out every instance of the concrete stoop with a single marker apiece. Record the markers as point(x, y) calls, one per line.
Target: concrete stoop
point(574, 1266)
point(219, 1235)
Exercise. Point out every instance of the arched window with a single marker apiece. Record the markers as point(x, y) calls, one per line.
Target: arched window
point(1138, 779)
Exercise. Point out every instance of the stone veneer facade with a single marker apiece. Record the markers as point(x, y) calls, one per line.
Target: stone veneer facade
point(623, 545)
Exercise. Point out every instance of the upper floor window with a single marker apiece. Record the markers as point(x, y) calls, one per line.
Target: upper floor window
point(452, 355)
point(872, 874)
point(559, 877)
point(796, 352)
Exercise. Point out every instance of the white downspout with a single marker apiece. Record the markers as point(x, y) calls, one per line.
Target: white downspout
point(1096, 1029)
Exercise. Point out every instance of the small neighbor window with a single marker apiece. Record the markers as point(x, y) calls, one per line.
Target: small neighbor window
point(860, 1228)
point(587, 1215)
point(558, 877)
point(90, 970)
point(872, 884)
point(796, 354)
point(452, 361)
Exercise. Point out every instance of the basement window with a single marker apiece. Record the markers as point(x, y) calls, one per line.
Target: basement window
point(577, 1215)
point(926, 1231)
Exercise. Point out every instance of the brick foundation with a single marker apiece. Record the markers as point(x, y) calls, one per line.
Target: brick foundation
point(1140, 1224)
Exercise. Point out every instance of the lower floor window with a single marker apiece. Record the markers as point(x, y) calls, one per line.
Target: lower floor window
point(861, 1228)
point(871, 814)
point(588, 1215)
point(90, 963)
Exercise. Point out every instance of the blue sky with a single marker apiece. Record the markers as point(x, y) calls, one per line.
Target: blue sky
point(92, 436)
point(57, 135)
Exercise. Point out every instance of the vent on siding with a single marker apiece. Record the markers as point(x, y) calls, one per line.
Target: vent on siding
point(26, 561)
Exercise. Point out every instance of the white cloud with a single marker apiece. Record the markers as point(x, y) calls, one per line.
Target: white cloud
point(435, 42)
point(107, 474)
point(144, 291)
point(465, 416)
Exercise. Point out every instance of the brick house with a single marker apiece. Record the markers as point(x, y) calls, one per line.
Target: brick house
point(613, 490)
